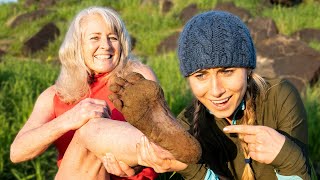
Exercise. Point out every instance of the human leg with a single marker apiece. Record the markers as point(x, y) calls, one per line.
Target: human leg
point(80, 163)
point(142, 103)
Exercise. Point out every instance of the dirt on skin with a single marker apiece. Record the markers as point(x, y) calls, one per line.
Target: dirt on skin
point(143, 105)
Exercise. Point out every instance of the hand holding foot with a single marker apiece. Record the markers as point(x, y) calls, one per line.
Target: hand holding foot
point(143, 105)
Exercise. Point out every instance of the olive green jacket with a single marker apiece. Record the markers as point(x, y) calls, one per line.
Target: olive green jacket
point(281, 109)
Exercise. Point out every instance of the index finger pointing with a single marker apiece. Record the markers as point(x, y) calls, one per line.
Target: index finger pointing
point(242, 129)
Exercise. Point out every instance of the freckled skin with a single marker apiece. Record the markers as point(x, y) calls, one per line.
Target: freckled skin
point(143, 105)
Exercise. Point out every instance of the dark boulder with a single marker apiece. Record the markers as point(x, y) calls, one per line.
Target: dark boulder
point(262, 28)
point(288, 58)
point(232, 8)
point(27, 17)
point(169, 44)
point(188, 12)
point(307, 35)
point(41, 39)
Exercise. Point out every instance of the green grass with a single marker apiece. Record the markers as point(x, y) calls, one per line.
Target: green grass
point(290, 20)
point(23, 78)
point(21, 82)
point(312, 104)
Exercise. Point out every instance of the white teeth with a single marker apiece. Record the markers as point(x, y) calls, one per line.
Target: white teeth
point(108, 56)
point(221, 101)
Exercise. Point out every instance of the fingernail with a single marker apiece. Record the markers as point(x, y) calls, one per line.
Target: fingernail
point(226, 129)
point(104, 159)
point(108, 156)
point(121, 163)
point(144, 139)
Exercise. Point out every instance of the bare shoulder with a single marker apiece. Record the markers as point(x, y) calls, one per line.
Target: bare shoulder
point(143, 69)
point(43, 110)
point(48, 94)
point(44, 102)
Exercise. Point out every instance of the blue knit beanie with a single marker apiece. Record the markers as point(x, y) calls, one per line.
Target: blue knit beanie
point(215, 39)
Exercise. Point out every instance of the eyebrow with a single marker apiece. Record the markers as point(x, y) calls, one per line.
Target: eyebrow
point(98, 33)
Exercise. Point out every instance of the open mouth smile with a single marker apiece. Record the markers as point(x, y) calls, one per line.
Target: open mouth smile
point(102, 57)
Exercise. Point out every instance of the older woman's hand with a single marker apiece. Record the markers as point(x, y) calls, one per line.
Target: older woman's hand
point(264, 143)
point(84, 111)
point(151, 155)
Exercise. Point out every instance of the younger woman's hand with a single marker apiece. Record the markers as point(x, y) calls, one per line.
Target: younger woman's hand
point(115, 167)
point(161, 160)
point(264, 143)
point(84, 111)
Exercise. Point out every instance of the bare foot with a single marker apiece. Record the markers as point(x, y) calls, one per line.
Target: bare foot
point(143, 105)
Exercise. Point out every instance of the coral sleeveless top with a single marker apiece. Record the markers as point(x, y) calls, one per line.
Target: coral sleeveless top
point(99, 90)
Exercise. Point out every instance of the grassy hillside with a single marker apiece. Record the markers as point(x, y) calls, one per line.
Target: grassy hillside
point(22, 78)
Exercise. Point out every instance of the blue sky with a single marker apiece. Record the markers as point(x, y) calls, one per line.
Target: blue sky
point(4, 1)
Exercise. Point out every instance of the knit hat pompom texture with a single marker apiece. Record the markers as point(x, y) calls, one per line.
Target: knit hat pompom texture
point(215, 39)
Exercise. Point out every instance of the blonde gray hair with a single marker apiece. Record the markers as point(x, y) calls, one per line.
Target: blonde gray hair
point(73, 81)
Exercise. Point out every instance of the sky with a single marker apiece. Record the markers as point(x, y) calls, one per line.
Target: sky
point(4, 1)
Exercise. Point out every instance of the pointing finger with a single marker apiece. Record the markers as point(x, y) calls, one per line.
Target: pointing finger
point(242, 129)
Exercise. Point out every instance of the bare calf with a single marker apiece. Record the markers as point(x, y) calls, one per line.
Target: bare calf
point(79, 163)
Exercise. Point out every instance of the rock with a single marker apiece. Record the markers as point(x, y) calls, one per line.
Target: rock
point(307, 35)
point(166, 6)
point(230, 7)
point(169, 44)
point(41, 4)
point(288, 58)
point(262, 28)
point(2, 52)
point(27, 17)
point(41, 39)
point(286, 3)
point(188, 12)
point(47, 3)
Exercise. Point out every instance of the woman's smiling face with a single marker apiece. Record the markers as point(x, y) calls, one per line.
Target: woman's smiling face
point(221, 90)
point(100, 45)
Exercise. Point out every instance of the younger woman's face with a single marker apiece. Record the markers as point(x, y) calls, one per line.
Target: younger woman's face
point(221, 90)
point(100, 45)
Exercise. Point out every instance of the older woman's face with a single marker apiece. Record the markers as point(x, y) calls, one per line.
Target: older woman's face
point(100, 45)
point(221, 90)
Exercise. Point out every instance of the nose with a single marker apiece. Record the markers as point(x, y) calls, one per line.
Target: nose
point(217, 88)
point(105, 43)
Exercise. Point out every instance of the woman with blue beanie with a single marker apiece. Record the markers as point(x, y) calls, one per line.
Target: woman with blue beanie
point(249, 127)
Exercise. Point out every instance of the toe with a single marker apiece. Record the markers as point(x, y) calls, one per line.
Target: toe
point(113, 97)
point(115, 88)
point(118, 104)
point(134, 77)
point(120, 81)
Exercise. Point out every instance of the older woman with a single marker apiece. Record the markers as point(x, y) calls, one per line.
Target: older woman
point(95, 49)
